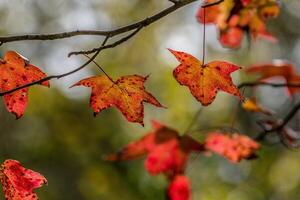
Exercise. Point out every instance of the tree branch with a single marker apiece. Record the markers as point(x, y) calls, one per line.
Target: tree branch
point(110, 33)
point(284, 122)
point(254, 84)
point(107, 46)
point(212, 4)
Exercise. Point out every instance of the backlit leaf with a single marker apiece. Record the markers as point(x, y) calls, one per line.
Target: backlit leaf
point(127, 94)
point(204, 81)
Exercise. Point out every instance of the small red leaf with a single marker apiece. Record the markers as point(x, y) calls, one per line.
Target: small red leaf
point(127, 94)
point(18, 183)
point(180, 188)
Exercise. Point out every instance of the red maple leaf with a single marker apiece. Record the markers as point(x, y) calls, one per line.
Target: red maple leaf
point(233, 147)
point(204, 81)
point(167, 152)
point(179, 188)
point(18, 183)
point(16, 71)
point(127, 94)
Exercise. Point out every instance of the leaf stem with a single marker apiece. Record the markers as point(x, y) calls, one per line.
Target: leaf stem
point(203, 39)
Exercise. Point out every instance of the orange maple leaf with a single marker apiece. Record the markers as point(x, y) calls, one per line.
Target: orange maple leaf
point(127, 94)
point(166, 151)
point(16, 71)
point(18, 183)
point(278, 68)
point(233, 147)
point(204, 81)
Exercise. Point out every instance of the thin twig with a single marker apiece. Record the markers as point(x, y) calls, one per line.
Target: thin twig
point(194, 119)
point(101, 69)
point(212, 4)
point(203, 39)
point(107, 46)
point(174, 1)
point(254, 84)
point(284, 122)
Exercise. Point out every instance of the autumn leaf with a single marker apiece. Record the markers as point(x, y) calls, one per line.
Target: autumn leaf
point(252, 105)
point(233, 147)
point(16, 71)
point(204, 81)
point(278, 68)
point(127, 94)
point(179, 188)
point(166, 151)
point(18, 183)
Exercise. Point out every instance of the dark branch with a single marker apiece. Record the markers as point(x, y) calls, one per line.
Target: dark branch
point(174, 1)
point(212, 4)
point(107, 46)
point(109, 33)
point(254, 84)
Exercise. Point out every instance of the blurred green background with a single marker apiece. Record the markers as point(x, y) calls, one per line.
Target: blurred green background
point(60, 138)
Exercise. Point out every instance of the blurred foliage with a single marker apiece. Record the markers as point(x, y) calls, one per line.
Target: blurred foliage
point(59, 137)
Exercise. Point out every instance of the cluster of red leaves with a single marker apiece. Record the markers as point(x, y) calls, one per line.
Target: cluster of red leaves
point(18, 183)
point(15, 71)
point(234, 17)
point(204, 80)
point(167, 152)
point(233, 147)
point(278, 69)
